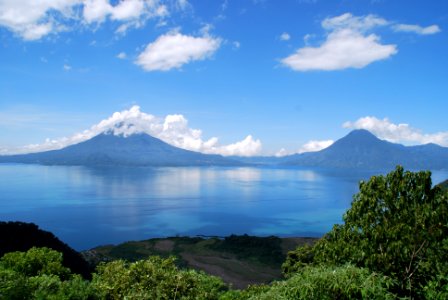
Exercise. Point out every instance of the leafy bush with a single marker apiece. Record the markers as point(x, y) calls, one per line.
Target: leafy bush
point(39, 274)
point(437, 289)
point(20, 236)
point(35, 262)
point(397, 225)
point(154, 278)
point(326, 282)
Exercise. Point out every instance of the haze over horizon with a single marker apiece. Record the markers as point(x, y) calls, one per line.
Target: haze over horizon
point(224, 77)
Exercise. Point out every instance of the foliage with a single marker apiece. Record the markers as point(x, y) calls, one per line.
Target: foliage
point(35, 262)
point(437, 289)
point(397, 225)
point(444, 185)
point(39, 274)
point(326, 282)
point(154, 278)
point(263, 249)
point(19, 236)
point(252, 291)
point(298, 259)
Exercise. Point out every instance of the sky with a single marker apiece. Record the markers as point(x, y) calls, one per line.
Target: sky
point(233, 77)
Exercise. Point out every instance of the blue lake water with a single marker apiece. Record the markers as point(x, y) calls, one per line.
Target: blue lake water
point(87, 207)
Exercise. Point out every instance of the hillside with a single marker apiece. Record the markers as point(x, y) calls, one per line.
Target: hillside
point(238, 260)
point(444, 184)
point(360, 149)
point(20, 236)
point(111, 149)
point(363, 150)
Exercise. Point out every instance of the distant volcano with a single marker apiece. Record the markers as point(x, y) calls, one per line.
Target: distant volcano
point(361, 149)
point(109, 148)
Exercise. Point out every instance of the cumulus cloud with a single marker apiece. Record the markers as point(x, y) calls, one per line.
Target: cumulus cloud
point(282, 152)
point(173, 50)
point(173, 129)
point(347, 45)
point(349, 21)
point(417, 29)
point(133, 13)
point(311, 146)
point(343, 49)
point(32, 20)
point(285, 36)
point(121, 55)
point(397, 133)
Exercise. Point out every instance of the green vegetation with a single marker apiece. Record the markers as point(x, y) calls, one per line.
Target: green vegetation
point(266, 250)
point(238, 260)
point(393, 245)
point(154, 278)
point(444, 185)
point(39, 274)
point(397, 226)
point(324, 282)
point(19, 236)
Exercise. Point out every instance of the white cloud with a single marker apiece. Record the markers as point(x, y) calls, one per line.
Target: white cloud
point(32, 19)
point(307, 37)
point(173, 50)
point(342, 49)
point(348, 21)
point(313, 146)
point(283, 152)
point(173, 129)
point(285, 36)
point(236, 45)
point(133, 13)
point(129, 9)
point(417, 29)
point(346, 46)
point(121, 55)
point(67, 67)
point(97, 11)
point(397, 133)
point(35, 19)
point(183, 4)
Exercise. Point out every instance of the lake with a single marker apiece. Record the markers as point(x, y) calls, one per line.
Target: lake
point(87, 207)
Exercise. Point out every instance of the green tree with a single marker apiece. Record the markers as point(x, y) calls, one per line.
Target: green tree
point(154, 278)
point(326, 282)
point(35, 262)
point(39, 274)
point(397, 225)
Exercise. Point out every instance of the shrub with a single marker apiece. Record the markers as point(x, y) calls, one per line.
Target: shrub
point(326, 282)
point(154, 278)
point(397, 225)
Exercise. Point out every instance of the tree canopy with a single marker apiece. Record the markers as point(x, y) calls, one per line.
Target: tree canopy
point(397, 225)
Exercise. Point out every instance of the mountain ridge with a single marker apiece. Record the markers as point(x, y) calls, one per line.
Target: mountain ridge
point(138, 149)
point(359, 149)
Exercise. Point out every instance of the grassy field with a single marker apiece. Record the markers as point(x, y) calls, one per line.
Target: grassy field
point(238, 260)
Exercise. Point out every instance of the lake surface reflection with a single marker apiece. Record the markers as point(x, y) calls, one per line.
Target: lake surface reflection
point(86, 207)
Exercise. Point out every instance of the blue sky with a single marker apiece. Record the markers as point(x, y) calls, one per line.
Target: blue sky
point(231, 77)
